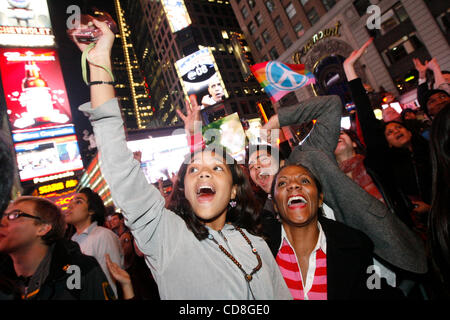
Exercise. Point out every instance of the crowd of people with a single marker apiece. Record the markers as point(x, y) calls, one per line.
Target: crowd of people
point(347, 214)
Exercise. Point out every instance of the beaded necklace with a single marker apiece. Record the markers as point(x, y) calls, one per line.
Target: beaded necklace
point(247, 276)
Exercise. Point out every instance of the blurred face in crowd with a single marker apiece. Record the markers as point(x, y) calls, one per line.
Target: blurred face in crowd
point(208, 186)
point(23, 232)
point(436, 102)
point(126, 240)
point(410, 116)
point(262, 167)
point(115, 222)
point(345, 145)
point(397, 135)
point(77, 212)
point(296, 196)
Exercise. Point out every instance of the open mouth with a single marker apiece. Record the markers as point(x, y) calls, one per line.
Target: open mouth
point(205, 193)
point(297, 201)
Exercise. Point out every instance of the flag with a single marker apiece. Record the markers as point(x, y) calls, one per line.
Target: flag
point(278, 79)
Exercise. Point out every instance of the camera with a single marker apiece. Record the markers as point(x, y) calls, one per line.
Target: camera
point(88, 32)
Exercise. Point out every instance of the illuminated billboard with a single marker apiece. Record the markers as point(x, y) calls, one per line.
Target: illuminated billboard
point(201, 78)
point(25, 23)
point(177, 14)
point(46, 157)
point(161, 156)
point(34, 89)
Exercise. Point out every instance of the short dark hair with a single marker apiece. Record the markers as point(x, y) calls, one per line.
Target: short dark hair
point(6, 173)
point(49, 213)
point(316, 181)
point(360, 149)
point(95, 204)
point(428, 96)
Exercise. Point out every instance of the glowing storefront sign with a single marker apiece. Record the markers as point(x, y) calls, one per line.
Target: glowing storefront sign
point(25, 23)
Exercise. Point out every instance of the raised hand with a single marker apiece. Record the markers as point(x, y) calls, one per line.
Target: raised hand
point(350, 61)
point(192, 120)
point(103, 45)
point(121, 276)
point(421, 68)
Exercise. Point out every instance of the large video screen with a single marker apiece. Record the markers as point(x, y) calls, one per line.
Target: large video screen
point(161, 156)
point(25, 23)
point(201, 78)
point(177, 14)
point(34, 89)
point(46, 157)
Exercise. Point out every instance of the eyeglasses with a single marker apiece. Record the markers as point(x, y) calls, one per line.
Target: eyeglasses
point(13, 215)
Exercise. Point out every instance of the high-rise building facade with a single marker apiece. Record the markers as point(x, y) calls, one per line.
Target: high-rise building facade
point(321, 34)
point(174, 32)
point(272, 26)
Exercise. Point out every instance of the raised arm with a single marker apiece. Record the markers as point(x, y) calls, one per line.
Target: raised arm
point(142, 204)
point(371, 129)
point(326, 110)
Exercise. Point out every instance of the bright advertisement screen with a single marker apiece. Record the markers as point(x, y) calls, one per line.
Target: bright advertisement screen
point(229, 133)
point(161, 156)
point(25, 23)
point(46, 157)
point(34, 89)
point(201, 78)
point(177, 14)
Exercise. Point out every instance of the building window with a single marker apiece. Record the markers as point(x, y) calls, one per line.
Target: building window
point(273, 53)
point(313, 16)
point(393, 17)
point(328, 4)
point(361, 6)
point(287, 41)
point(266, 36)
point(402, 48)
point(259, 19)
point(270, 6)
point(258, 44)
point(278, 24)
point(290, 11)
point(244, 12)
point(304, 2)
point(251, 3)
point(298, 27)
point(251, 28)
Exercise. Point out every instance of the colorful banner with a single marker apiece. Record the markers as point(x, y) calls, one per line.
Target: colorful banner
point(229, 133)
point(25, 23)
point(200, 78)
point(279, 79)
point(34, 89)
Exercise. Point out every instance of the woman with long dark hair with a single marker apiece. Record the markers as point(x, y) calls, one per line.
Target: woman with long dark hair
point(207, 247)
point(439, 218)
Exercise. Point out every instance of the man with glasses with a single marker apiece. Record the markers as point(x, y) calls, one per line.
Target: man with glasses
point(42, 264)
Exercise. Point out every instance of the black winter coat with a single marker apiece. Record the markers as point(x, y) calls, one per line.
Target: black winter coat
point(58, 284)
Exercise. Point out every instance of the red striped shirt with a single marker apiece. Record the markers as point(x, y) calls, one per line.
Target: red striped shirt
point(290, 269)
